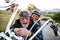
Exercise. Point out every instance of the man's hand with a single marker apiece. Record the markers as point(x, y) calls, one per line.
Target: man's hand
point(16, 30)
point(23, 32)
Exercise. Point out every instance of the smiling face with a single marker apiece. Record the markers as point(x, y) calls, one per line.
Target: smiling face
point(35, 17)
point(25, 21)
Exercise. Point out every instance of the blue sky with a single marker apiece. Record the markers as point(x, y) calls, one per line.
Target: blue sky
point(41, 4)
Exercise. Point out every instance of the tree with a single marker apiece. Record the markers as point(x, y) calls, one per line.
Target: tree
point(31, 7)
point(56, 17)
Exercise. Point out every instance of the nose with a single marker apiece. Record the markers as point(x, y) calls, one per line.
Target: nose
point(25, 20)
point(34, 17)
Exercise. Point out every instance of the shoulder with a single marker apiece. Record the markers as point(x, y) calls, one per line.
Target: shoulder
point(17, 24)
point(17, 20)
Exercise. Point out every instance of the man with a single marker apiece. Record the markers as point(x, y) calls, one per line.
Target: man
point(35, 16)
point(22, 26)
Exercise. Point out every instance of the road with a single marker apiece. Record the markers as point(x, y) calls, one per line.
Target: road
point(48, 33)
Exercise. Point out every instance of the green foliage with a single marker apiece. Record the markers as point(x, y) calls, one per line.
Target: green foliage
point(56, 17)
point(31, 7)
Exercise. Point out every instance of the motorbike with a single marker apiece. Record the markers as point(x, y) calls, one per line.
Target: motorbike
point(9, 35)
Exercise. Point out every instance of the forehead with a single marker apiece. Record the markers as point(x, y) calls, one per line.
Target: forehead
point(34, 14)
point(24, 17)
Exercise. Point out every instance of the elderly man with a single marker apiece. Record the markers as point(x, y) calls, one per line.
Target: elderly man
point(22, 26)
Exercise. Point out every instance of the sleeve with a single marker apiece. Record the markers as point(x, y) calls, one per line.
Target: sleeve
point(13, 26)
point(37, 37)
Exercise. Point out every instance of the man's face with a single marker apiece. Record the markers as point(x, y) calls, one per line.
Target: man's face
point(25, 21)
point(35, 17)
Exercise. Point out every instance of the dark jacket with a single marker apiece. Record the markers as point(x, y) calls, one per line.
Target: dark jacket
point(17, 24)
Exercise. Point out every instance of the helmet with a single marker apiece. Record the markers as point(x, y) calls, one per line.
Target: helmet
point(36, 11)
point(25, 13)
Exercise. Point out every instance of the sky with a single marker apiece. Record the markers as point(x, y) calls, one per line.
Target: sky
point(40, 4)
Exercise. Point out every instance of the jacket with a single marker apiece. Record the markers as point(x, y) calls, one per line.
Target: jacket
point(17, 24)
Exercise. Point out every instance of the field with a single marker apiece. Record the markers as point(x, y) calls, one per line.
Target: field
point(4, 18)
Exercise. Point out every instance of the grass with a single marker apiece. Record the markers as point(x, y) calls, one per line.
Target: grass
point(4, 18)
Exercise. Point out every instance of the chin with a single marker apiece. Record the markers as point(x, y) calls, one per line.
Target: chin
point(25, 25)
